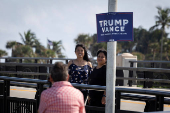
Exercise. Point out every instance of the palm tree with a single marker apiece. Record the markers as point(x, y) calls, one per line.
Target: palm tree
point(12, 45)
point(39, 48)
point(28, 38)
point(29, 42)
point(162, 20)
point(48, 53)
point(3, 53)
point(57, 47)
point(167, 48)
point(154, 48)
point(84, 39)
point(23, 51)
point(140, 40)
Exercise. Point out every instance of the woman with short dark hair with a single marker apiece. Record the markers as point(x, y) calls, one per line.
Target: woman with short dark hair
point(98, 77)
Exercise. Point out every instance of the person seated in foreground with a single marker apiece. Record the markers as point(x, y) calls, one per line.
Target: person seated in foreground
point(62, 97)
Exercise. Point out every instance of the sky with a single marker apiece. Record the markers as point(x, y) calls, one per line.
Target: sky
point(65, 19)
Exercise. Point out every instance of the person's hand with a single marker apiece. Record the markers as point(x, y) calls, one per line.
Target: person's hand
point(88, 99)
point(103, 101)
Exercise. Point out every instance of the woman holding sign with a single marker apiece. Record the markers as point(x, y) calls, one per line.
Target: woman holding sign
point(98, 77)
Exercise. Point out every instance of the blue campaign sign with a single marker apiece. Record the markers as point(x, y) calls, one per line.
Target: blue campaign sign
point(114, 26)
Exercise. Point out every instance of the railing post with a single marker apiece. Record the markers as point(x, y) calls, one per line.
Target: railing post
point(159, 103)
point(20, 60)
point(131, 64)
point(19, 68)
point(38, 94)
point(144, 77)
point(6, 94)
point(42, 69)
point(130, 74)
point(49, 68)
point(36, 61)
point(36, 68)
point(118, 98)
point(66, 61)
point(6, 60)
point(51, 61)
point(1, 85)
point(152, 65)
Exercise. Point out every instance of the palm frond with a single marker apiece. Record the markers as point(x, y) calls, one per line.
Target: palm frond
point(22, 38)
point(153, 28)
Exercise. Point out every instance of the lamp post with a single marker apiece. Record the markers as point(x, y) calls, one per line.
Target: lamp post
point(111, 67)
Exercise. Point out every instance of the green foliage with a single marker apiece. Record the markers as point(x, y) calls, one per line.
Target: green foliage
point(147, 45)
point(48, 53)
point(3, 53)
point(29, 42)
point(57, 47)
point(29, 38)
point(139, 55)
point(23, 51)
point(162, 20)
point(11, 44)
point(90, 42)
point(95, 47)
point(84, 39)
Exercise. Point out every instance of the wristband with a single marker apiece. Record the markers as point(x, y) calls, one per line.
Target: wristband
point(104, 95)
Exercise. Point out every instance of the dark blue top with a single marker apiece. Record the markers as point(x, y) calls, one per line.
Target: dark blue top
point(79, 74)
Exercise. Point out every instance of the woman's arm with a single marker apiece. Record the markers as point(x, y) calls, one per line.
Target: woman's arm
point(104, 98)
point(89, 63)
point(104, 84)
point(69, 63)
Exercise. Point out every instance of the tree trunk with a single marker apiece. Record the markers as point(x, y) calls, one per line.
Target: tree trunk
point(161, 45)
point(153, 55)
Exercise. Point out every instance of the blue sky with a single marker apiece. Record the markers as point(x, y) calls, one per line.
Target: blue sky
point(65, 19)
